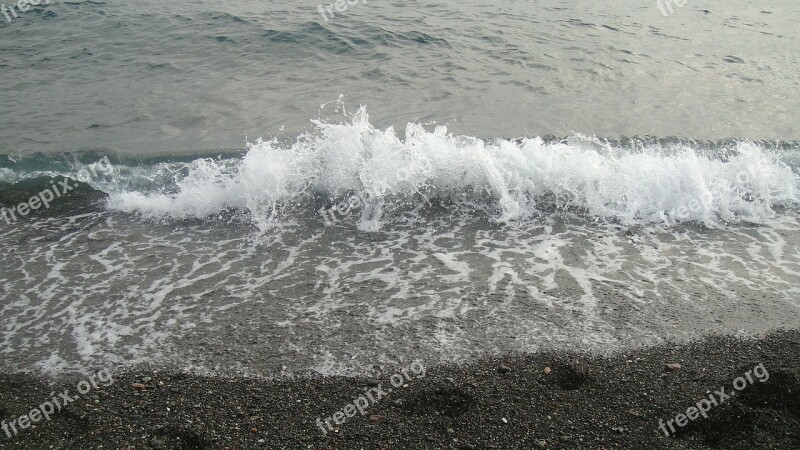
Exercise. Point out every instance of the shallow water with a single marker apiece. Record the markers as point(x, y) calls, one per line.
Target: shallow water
point(101, 290)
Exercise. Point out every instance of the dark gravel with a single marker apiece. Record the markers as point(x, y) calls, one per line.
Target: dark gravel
point(509, 402)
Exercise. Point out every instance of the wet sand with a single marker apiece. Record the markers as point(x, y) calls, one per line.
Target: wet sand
point(541, 400)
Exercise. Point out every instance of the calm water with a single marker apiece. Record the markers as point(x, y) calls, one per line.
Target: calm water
point(185, 76)
point(436, 180)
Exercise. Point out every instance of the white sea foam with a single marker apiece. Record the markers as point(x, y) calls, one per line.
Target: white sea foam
point(115, 291)
point(98, 288)
point(509, 178)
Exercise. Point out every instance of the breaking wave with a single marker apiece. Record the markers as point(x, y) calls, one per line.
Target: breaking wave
point(373, 174)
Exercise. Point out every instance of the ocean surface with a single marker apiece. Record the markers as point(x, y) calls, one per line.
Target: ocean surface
point(275, 188)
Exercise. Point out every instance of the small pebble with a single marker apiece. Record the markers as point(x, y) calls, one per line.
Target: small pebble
point(634, 413)
point(672, 367)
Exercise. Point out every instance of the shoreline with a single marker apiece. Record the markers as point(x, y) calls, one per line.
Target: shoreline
point(539, 400)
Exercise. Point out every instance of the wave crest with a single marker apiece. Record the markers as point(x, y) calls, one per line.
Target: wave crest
point(506, 178)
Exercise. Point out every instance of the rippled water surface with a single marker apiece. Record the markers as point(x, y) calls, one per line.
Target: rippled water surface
point(184, 76)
